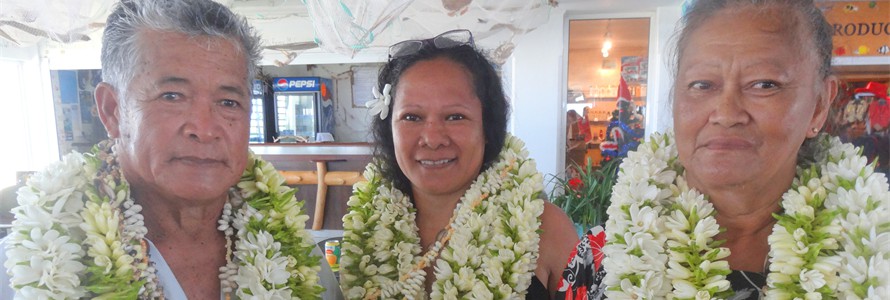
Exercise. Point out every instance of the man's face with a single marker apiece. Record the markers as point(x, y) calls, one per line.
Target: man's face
point(183, 127)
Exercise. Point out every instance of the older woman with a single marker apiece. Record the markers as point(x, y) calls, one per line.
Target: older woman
point(747, 200)
point(451, 206)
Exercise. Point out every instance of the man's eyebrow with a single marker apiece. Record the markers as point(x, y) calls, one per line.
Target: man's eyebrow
point(180, 80)
point(232, 89)
point(172, 79)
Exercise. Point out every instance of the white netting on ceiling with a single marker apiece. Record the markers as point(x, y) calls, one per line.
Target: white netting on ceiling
point(495, 23)
point(26, 22)
point(348, 26)
point(340, 26)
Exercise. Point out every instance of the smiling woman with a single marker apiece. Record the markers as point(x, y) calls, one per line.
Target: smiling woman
point(450, 188)
point(437, 128)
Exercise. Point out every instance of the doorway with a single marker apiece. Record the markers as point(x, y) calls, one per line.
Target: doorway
point(607, 80)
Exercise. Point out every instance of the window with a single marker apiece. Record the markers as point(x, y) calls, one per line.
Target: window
point(27, 119)
point(12, 158)
point(607, 81)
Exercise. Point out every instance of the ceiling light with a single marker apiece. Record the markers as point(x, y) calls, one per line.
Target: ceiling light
point(607, 40)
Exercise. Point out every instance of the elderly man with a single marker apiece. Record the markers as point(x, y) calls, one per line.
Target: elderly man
point(173, 205)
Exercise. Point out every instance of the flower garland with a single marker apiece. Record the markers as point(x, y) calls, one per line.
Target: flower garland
point(78, 234)
point(273, 248)
point(832, 239)
point(493, 246)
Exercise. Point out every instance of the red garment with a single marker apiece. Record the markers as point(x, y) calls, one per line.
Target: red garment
point(879, 114)
point(584, 129)
point(584, 267)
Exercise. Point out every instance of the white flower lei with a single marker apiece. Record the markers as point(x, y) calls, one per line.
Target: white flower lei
point(832, 240)
point(492, 252)
point(78, 234)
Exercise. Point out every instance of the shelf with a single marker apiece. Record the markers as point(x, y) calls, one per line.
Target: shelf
point(861, 68)
point(843, 61)
point(605, 99)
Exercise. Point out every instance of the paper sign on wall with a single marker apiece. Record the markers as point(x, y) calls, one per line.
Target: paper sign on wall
point(860, 28)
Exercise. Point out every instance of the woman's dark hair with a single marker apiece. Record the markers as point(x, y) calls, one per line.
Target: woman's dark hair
point(487, 86)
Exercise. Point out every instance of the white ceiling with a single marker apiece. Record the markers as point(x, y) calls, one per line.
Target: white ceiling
point(287, 22)
point(267, 9)
point(625, 33)
point(274, 8)
point(616, 6)
point(601, 5)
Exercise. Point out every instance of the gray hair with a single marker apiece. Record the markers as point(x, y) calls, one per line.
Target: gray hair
point(192, 17)
point(801, 13)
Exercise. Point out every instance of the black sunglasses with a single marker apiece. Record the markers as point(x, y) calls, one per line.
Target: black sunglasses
point(448, 39)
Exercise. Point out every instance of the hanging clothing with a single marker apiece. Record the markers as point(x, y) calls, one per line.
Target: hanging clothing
point(855, 111)
point(879, 114)
point(584, 129)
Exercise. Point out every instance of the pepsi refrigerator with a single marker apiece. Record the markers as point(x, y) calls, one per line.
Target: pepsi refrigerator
point(304, 106)
point(262, 114)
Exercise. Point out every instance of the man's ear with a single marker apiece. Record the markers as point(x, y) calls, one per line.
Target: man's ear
point(107, 103)
point(823, 105)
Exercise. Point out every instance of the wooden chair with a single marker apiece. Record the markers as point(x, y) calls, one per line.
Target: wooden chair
point(322, 179)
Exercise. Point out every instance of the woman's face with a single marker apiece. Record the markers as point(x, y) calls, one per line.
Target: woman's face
point(747, 93)
point(437, 128)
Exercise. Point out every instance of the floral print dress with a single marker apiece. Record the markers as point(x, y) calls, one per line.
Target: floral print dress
point(582, 279)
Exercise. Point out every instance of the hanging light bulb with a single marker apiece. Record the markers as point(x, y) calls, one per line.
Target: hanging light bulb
point(607, 45)
point(607, 40)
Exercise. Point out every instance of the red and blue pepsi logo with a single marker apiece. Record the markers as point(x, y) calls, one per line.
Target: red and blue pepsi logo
point(296, 83)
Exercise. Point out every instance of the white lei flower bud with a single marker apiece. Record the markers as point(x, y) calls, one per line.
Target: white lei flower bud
point(478, 252)
point(98, 225)
point(859, 235)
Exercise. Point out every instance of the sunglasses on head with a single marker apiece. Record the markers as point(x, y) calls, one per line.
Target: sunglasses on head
point(448, 39)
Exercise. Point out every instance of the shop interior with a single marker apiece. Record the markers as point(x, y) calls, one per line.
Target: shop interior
point(607, 83)
point(860, 114)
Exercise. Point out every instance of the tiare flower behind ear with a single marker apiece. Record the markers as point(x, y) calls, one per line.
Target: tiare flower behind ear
point(380, 104)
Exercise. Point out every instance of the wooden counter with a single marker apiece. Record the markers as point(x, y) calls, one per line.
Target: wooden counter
point(336, 157)
point(318, 150)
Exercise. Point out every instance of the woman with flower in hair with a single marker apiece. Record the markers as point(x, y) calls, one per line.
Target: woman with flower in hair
point(451, 208)
point(746, 200)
